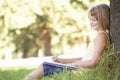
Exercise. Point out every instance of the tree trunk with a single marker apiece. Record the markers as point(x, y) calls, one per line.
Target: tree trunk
point(36, 53)
point(46, 38)
point(25, 53)
point(115, 24)
point(47, 48)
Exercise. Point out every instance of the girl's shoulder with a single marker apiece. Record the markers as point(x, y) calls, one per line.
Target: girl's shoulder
point(104, 33)
point(101, 36)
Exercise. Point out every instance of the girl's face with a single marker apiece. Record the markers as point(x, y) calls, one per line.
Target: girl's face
point(94, 23)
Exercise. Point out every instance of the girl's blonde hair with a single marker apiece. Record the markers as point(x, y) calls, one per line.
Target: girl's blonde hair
point(102, 13)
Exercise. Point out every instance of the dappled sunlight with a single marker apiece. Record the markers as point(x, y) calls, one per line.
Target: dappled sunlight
point(63, 20)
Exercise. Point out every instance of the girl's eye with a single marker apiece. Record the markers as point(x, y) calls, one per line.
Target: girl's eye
point(93, 19)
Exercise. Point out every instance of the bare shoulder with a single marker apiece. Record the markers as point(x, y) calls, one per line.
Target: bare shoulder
point(101, 37)
point(103, 34)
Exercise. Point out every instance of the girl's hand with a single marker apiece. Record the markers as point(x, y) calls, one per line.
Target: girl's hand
point(56, 59)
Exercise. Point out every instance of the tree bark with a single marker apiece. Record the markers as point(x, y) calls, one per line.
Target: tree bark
point(36, 53)
point(25, 53)
point(46, 38)
point(115, 24)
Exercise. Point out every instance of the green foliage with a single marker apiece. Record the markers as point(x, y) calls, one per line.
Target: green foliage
point(26, 38)
point(107, 69)
point(64, 19)
point(79, 3)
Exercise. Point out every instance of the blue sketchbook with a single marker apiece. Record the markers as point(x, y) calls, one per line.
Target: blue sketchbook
point(61, 65)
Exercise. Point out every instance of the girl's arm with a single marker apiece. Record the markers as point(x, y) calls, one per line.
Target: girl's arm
point(65, 61)
point(100, 44)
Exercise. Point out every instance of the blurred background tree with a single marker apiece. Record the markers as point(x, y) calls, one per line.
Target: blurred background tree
point(42, 27)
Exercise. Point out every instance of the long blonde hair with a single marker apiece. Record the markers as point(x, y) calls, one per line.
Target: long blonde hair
point(102, 14)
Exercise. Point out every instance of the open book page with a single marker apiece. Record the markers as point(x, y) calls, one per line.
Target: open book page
point(60, 65)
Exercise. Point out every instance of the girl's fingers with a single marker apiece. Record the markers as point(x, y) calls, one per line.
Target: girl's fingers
point(55, 58)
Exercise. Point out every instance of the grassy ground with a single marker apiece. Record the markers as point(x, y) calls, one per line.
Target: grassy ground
point(107, 69)
point(13, 73)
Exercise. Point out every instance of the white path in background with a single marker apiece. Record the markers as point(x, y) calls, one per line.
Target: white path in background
point(24, 62)
point(31, 61)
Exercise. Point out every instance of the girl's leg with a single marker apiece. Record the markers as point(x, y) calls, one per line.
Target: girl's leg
point(37, 73)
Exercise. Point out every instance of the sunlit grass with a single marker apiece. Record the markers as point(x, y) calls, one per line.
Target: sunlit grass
point(107, 69)
point(13, 73)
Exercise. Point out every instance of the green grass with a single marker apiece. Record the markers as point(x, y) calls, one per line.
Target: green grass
point(107, 69)
point(13, 73)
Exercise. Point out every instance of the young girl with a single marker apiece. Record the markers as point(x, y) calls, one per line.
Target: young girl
point(99, 19)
